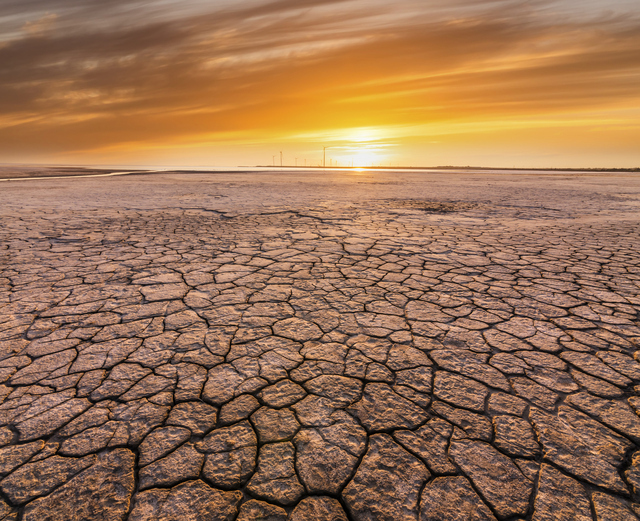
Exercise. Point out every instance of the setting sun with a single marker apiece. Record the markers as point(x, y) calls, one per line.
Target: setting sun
point(366, 147)
point(364, 157)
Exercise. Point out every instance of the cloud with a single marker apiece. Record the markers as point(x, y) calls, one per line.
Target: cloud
point(40, 26)
point(293, 66)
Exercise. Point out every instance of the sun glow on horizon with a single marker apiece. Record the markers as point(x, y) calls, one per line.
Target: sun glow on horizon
point(360, 147)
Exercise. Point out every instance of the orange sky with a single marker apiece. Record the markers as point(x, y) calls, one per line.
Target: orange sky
point(234, 82)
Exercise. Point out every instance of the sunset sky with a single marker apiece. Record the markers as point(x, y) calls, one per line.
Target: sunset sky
point(539, 83)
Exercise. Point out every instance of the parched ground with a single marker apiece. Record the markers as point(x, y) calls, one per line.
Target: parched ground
point(320, 347)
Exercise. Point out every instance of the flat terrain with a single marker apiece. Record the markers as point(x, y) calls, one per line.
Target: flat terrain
point(320, 347)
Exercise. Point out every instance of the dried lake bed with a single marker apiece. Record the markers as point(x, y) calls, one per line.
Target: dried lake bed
point(320, 346)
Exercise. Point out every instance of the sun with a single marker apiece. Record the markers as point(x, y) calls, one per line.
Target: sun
point(360, 148)
point(367, 146)
point(364, 156)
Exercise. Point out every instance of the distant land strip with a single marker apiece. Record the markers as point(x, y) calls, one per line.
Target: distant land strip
point(9, 173)
point(451, 167)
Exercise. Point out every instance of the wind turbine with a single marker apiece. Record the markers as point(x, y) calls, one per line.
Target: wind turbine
point(324, 157)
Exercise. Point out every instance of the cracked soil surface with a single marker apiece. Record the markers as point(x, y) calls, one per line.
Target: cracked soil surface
point(320, 347)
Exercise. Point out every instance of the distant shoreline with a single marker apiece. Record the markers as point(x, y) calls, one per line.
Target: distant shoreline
point(485, 168)
point(18, 173)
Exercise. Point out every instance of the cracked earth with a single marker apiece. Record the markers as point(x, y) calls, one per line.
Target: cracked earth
point(309, 347)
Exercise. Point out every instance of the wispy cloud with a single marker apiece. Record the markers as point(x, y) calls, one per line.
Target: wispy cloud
point(84, 75)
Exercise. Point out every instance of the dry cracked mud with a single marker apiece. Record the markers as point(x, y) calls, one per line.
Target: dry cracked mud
point(320, 347)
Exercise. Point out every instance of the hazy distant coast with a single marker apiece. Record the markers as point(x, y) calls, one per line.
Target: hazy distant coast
point(44, 171)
